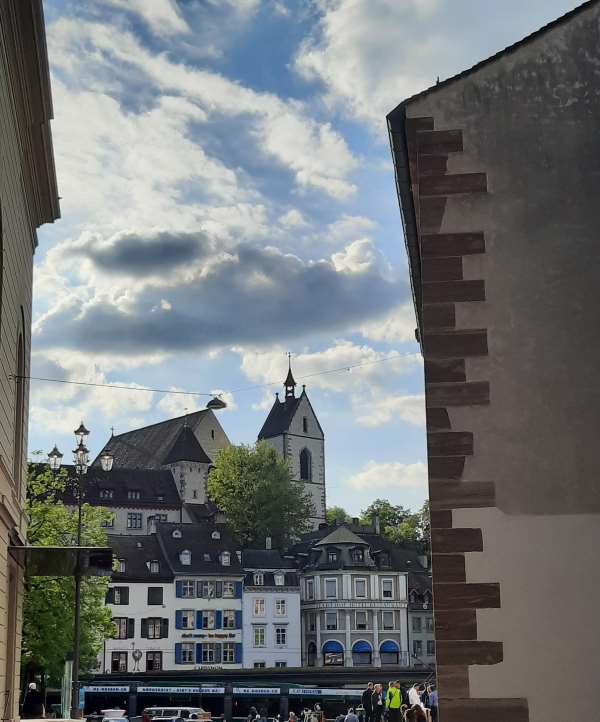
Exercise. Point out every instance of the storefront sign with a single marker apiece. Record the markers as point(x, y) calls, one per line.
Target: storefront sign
point(212, 690)
point(105, 690)
point(170, 690)
point(313, 692)
point(257, 690)
point(221, 635)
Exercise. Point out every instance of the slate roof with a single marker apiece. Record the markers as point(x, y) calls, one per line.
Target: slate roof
point(341, 535)
point(197, 538)
point(137, 550)
point(279, 418)
point(266, 559)
point(186, 447)
point(156, 486)
point(291, 579)
point(147, 448)
point(199, 513)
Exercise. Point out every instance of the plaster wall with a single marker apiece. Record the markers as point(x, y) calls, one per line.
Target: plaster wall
point(271, 652)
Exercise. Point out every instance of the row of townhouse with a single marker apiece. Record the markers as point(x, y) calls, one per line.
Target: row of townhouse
point(185, 597)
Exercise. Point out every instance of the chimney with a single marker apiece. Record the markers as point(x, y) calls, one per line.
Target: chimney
point(268, 543)
point(377, 524)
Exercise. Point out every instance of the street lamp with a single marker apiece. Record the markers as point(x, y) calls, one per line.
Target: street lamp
point(81, 460)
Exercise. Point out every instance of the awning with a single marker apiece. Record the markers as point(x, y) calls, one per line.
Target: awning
point(333, 647)
point(62, 561)
point(362, 646)
point(389, 646)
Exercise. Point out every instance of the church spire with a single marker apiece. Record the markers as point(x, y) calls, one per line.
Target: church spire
point(289, 383)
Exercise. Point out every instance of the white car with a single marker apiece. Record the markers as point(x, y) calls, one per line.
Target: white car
point(170, 714)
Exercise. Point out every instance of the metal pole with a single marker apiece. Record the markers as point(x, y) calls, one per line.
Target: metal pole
point(75, 711)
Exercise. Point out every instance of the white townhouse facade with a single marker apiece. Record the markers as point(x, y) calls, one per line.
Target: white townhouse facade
point(271, 609)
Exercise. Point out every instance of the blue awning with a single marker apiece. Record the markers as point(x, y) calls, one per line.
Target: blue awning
point(361, 646)
point(333, 647)
point(389, 646)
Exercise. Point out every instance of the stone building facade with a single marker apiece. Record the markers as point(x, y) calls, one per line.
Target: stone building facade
point(497, 172)
point(28, 199)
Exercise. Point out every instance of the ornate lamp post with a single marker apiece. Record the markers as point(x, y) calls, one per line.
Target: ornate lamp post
point(81, 462)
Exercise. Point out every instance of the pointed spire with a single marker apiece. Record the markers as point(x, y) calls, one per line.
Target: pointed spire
point(289, 383)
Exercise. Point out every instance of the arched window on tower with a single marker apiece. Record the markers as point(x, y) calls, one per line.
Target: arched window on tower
point(305, 465)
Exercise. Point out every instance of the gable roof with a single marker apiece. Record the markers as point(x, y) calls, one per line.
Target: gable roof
point(147, 448)
point(136, 551)
point(341, 535)
point(197, 539)
point(266, 559)
point(279, 418)
point(186, 447)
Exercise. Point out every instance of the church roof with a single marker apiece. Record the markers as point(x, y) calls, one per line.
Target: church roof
point(186, 447)
point(147, 448)
point(279, 418)
point(289, 379)
point(342, 535)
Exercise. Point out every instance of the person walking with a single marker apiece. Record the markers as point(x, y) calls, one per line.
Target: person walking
point(433, 702)
point(367, 702)
point(33, 703)
point(393, 701)
point(377, 703)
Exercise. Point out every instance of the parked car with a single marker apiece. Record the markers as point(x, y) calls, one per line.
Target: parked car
point(170, 714)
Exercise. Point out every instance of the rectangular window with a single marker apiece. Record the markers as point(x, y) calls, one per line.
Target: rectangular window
point(208, 619)
point(154, 567)
point(429, 624)
point(331, 588)
point(122, 566)
point(388, 620)
point(153, 661)
point(360, 588)
point(281, 636)
point(154, 628)
point(417, 625)
point(310, 588)
point(305, 424)
point(281, 664)
point(417, 647)
point(120, 627)
point(259, 579)
point(106, 493)
point(228, 590)
point(260, 665)
point(209, 652)
point(155, 595)
point(187, 652)
point(120, 595)
point(259, 607)
point(188, 619)
point(332, 556)
point(280, 607)
point(134, 520)
point(430, 647)
point(331, 620)
point(361, 620)
point(228, 619)
point(387, 588)
point(188, 589)
point(160, 517)
point(134, 494)
point(206, 590)
point(228, 653)
point(108, 523)
point(312, 622)
point(119, 662)
point(259, 636)
point(358, 555)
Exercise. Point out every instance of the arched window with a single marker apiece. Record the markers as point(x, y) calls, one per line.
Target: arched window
point(305, 465)
point(362, 653)
point(225, 559)
point(19, 414)
point(312, 654)
point(185, 557)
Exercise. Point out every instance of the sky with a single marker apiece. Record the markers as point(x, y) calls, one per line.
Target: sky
point(227, 197)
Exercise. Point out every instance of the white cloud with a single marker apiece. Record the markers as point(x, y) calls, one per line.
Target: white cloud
point(384, 408)
point(394, 326)
point(162, 16)
point(389, 475)
point(348, 228)
point(293, 219)
point(178, 404)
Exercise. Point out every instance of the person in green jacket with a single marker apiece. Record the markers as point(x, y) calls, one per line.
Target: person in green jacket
point(393, 701)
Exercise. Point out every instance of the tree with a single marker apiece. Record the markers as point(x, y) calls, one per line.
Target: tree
point(390, 516)
point(253, 486)
point(48, 602)
point(400, 525)
point(336, 513)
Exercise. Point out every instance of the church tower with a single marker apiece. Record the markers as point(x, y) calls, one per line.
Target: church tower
point(293, 430)
point(189, 464)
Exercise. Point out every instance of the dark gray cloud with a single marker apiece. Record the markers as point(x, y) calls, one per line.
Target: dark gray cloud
point(251, 295)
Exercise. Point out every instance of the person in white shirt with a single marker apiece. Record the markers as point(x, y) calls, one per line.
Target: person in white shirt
point(414, 696)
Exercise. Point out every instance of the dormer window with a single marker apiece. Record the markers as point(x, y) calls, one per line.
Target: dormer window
point(106, 493)
point(259, 579)
point(226, 559)
point(358, 555)
point(332, 556)
point(206, 557)
point(384, 559)
point(154, 566)
point(185, 557)
point(216, 535)
point(176, 534)
point(134, 494)
point(121, 566)
point(279, 580)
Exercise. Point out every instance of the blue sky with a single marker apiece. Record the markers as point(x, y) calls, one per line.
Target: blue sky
point(227, 197)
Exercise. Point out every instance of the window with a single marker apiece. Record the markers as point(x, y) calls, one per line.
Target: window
point(332, 556)
point(194, 494)
point(360, 588)
point(429, 624)
point(134, 494)
point(279, 580)
point(358, 555)
point(362, 620)
point(154, 567)
point(417, 625)
point(417, 647)
point(310, 588)
point(106, 493)
point(206, 557)
point(388, 620)
point(228, 590)
point(226, 559)
point(331, 620)
point(188, 589)
point(209, 652)
point(154, 628)
point(228, 619)
point(188, 620)
point(206, 590)
point(312, 622)
point(153, 661)
point(331, 588)
point(305, 424)
point(119, 595)
point(280, 607)
point(121, 566)
point(259, 636)
point(212, 434)
point(216, 534)
point(361, 658)
point(259, 607)
point(228, 653)
point(134, 520)
point(187, 652)
point(260, 665)
point(160, 517)
point(259, 579)
point(108, 523)
point(155, 595)
point(305, 465)
point(121, 627)
point(185, 557)
point(280, 664)
point(387, 588)
point(208, 619)
point(430, 647)
point(311, 654)
point(119, 662)
point(281, 636)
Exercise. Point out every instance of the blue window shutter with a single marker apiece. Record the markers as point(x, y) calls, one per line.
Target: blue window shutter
point(179, 619)
point(238, 619)
point(198, 620)
point(238, 590)
point(199, 653)
point(238, 653)
point(179, 589)
point(218, 618)
point(178, 653)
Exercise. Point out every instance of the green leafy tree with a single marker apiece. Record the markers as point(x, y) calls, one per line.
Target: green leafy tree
point(253, 486)
point(49, 601)
point(400, 525)
point(336, 513)
point(390, 516)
